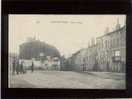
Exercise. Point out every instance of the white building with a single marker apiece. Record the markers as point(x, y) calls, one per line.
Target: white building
point(51, 63)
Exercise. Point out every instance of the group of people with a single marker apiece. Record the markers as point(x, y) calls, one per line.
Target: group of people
point(18, 67)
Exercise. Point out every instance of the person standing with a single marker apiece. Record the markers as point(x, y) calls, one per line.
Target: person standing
point(13, 67)
point(32, 67)
point(17, 67)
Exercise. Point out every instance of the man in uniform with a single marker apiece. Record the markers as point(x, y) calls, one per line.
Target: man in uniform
point(32, 67)
point(13, 66)
point(17, 67)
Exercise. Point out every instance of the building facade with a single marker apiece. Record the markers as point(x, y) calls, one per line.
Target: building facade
point(112, 50)
point(84, 59)
point(50, 63)
point(90, 59)
point(108, 53)
point(79, 60)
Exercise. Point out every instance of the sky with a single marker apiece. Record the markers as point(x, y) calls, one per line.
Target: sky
point(68, 33)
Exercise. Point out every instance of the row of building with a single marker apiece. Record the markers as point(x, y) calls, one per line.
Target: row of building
point(106, 53)
point(49, 63)
point(42, 55)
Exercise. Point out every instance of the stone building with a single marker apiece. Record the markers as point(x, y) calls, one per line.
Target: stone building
point(84, 59)
point(79, 60)
point(90, 58)
point(50, 63)
point(76, 61)
point(111, 49)
point(106, 53)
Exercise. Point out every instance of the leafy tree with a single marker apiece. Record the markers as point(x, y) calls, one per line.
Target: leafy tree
point(33, 49)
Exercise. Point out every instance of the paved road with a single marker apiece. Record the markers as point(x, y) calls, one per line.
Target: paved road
point(68, 79)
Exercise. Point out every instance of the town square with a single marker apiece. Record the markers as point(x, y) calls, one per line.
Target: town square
point(67, 51)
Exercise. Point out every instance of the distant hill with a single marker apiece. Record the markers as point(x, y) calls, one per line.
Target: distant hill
point(33, 49)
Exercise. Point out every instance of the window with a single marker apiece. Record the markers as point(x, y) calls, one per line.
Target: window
point(102, 44)
point(114, 42)
point(117, 53)
point(118, 42)
point(110, 43)
point(87, 58)
point(106, 44)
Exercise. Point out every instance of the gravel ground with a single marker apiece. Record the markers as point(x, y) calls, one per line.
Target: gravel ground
point(68, 79)
point(19, 83)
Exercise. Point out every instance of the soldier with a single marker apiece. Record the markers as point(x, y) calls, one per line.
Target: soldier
point(32, 67)
point(17, 67)
point(13, 67)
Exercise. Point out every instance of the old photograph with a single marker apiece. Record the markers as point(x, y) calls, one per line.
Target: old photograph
point(67, 51)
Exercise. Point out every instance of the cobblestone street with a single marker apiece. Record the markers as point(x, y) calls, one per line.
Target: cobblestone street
point(68, 79)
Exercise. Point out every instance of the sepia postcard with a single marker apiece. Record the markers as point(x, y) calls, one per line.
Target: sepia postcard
point(67, 51)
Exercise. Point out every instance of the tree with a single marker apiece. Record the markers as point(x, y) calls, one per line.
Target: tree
point(32, 49)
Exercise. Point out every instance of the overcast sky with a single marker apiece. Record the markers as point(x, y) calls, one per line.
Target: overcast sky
point(68, 33)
